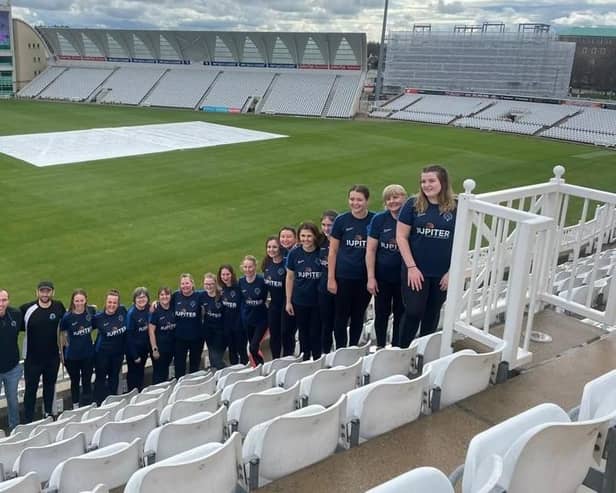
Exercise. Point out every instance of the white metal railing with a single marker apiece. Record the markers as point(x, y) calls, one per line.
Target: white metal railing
point(508, 259)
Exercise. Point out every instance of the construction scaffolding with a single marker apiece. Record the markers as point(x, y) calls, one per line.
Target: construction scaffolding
point(479, 59)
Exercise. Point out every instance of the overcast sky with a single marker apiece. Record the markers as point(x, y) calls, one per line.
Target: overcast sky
point(309, 15)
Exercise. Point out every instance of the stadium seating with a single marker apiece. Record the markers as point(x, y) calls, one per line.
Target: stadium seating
point(343, 97)
point(126, 397)
point(498, 125)
point(291, 442)
point(346, 356)
point(287, 377)
point(209, 468)
point(237, 376)
point(428, 349)
point(541, 114)
point(389, 361)
point(10, 451)
point(27, 428)
point(325, 386)
point(401, 102)
point(129, 85)
point(112, 465)
point(76, 84)
point(186, 388)
point(186, 407)
point(127, 430)
point(448, 105)
point(423, 117)
point(181, 88)
point(140, 409)
point(233, 88)
point(256, 408)
point(39, 83)
point(53, 428)
point(79, 412)
point(184, 434)
point(15, 437)
point(29, 483)
point(88, 427)
point(298, 94)
point(44, 458)
point(383, 405)
point(279, 363)
point(243, 388)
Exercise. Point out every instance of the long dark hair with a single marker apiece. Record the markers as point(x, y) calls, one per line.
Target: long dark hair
point(267, 260)
point(71, 306)
point(446, 198)
point(231, 270)
point(310, 226)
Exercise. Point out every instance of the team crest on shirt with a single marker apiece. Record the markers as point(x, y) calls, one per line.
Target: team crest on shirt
point(193, 304)
point(218, 305)
point(121, 318)
point(257, 291)
point(52, 316)
point(448, 216)
point(280, 271)
point(232, 294)
point(13, 323)
point(88, 318)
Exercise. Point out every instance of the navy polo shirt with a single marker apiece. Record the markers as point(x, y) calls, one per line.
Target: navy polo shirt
point(308, 273)
point(137, 337)
point(213, 316)
point(164, 322)
point(274, 275)
point(187, 310)
point(254, 294)
point(231, 301)
point(383, 229)
point(352, 234)
point(78, 328)
point(431, 237)
point(10, 325)
point(111, 336)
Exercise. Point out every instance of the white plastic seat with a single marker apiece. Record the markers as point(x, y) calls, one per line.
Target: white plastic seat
point(192, 405)
point(389, 361)
point(112, 465)
point(87, 427)
point(161, 385)
point(459, 375)
point(99, 488)
point(256, 408)
point(384, 405)
point(142, 408)
point(209, 468)
point(431, 480)
point(230, 369)
point(287, 377)
point(120, 397)
point(183, 391)
point(279, 363)
point(186, 433)
point(44, 458)
point(428, 349)
point(346, 356)
point(10, 451)
point(151, 394)
point(97, 412)
point(20, 435)
point(78, 413)
point(598, 397)
point(293, 441)
point(27, 428)
point(29, 483)
point(125, 431)
point(237, 376)
point(242, 388)
point(325, 386)
point(540, 448)
point(54, 427)
point(193, 375)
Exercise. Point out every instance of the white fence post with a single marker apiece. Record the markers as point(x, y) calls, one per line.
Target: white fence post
point(455, 290)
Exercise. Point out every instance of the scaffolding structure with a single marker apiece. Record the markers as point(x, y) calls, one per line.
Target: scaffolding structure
point(483, 59)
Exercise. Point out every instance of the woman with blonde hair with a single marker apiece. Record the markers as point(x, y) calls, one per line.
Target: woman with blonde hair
point(425, 238)
point(383, 265)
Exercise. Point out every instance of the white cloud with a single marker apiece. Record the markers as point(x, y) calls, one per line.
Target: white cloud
point(308, 15)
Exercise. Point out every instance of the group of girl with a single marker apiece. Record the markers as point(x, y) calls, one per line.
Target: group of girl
point(317, 282)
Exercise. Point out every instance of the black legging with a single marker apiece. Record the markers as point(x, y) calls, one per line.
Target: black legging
point(160, 367)
point(309, 325)
point(352, 300)
point(182, 348)
point(237, 341)
point(327, 308)
point(108, 368)
point(388, 299)
point(33, 371)
point(421, 307)
point(135, 374)
point(80, 371)
point(255, 335)
point(289, 329)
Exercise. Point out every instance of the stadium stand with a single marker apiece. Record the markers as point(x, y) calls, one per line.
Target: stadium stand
point(297, 94)
point(344, 94)
point(498, 125)
point(524, 112)
point(234, 89)
point(35, 87)
point(401, 102)
point(128, 85)
point(76, 84)
point(181, 88)
point(423, 117)
point(448, 105)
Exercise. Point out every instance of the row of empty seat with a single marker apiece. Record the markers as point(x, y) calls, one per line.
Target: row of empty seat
point(332, 409)
point(218, 89)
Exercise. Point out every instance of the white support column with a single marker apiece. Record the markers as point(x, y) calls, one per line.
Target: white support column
point(457, 269)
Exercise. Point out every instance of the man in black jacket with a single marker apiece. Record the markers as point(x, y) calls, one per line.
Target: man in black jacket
point(10, 369)
point(41, 319)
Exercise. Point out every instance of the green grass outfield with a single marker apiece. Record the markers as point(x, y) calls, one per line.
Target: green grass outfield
point(143, 220)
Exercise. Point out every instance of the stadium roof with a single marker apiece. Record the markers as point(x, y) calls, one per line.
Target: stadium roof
point(603, 32)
